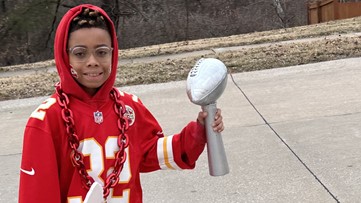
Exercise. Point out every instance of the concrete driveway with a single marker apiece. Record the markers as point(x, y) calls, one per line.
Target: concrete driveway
point(292, 135)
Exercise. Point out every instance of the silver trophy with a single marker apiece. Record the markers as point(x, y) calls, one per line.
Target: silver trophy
point(95, 194)
point(205, 83)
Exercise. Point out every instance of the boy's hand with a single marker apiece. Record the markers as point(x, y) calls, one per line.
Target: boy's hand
point(218, 120)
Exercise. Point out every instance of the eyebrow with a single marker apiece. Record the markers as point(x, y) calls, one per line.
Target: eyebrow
point(103, 45)
point(83, 46)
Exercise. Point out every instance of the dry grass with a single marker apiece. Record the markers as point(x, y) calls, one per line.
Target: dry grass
point(275, 53)
point(330, 28)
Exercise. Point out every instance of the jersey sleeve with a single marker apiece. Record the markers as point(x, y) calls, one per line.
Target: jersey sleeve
point(181, 151)
point(39, 171)
point(177, 151)
point(39, 175)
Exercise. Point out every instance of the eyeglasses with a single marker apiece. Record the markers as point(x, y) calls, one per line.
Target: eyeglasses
point(82, 54)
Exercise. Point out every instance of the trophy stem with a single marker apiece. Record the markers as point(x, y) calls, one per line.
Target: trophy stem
point(217, 159)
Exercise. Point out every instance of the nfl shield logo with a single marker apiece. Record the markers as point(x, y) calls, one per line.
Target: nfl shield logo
point(98, 117)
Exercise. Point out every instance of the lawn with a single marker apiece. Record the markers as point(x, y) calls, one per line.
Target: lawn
point(249, 52)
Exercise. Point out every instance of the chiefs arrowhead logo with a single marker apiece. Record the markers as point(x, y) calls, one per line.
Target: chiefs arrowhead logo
point(129, 114)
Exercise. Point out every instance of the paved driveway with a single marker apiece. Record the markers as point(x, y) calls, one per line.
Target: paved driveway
point(296, 139)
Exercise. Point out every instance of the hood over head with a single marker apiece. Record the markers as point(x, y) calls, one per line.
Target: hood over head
point(68, 84)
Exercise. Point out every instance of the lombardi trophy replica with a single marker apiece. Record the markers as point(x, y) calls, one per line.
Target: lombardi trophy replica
point(205, 83)
point(95, 194)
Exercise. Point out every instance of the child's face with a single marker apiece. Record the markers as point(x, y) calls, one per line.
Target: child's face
point(90, 56)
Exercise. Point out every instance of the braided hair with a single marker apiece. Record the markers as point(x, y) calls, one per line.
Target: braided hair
point(88, 19)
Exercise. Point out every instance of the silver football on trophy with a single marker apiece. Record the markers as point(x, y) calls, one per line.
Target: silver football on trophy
point(206, 81)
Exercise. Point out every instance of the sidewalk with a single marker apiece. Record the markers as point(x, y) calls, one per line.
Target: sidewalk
point(309, 152)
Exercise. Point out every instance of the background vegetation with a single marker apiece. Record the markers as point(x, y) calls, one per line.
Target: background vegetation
point(27, 27)
point(172, 61)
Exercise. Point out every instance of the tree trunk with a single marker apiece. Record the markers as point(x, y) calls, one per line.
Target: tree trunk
point(280, 12)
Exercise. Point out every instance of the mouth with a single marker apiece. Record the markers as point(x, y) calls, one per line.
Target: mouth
point(93, 74)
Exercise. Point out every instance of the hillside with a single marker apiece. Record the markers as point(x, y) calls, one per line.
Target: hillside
point(27, 31)
point(172, 61)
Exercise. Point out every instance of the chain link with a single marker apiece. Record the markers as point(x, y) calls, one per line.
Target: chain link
point(77, 157)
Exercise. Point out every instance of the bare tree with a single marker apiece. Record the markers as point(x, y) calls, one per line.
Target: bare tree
point(2, 7)
point(53, 24)
point(280, 12)
point(24, 24)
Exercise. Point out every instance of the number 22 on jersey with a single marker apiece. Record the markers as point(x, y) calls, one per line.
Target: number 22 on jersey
point(40, 112)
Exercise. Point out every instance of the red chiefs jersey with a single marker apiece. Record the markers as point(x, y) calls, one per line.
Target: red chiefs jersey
point(49, 176)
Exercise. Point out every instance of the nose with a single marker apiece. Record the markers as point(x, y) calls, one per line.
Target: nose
point(92, 60)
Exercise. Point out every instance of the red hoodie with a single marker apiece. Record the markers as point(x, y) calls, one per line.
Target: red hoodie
point(69, 85)
point(47, 173)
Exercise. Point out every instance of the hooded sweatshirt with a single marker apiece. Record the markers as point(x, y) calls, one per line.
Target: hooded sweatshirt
point(68, 84)
point(47, 173)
